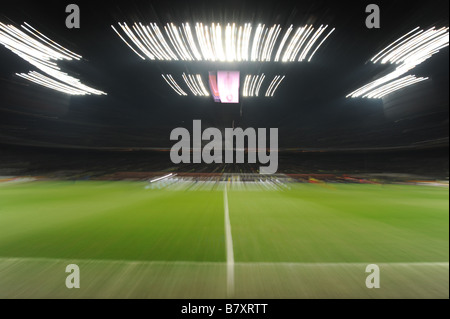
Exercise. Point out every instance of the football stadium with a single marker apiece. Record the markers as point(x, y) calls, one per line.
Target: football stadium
point(224, 150)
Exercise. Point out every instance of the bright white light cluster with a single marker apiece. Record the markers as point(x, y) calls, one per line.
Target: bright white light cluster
point(301, 43)
point(231, 43)
point(394, 86)
point(195, 84)
point(414, 47)
point(368, 88)
point(173, 84)
point(274, 85)
point(407, 52)
point(251, 88)
point(42, 52)
point(252, 85)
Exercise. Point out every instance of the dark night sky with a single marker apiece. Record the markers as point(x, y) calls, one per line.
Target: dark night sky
point(140, 110)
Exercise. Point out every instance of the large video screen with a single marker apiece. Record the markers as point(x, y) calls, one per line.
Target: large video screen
point(228, 85)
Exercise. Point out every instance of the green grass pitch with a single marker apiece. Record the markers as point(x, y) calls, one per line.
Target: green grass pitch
point(311, 241)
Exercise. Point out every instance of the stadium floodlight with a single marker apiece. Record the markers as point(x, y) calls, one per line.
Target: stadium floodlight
point(252, 85)
point(394, 86)
point(248, 84)
point(399, 71)
point(127, 43)
point(195, 84)
point(245, 87)
point(43, 80)
point(421, 43)
point(246, 41)
point(261, 80)
point(273, 41)
point(408, 51)
point(375, 58)
point(173, 84)
point(274, 85)
point(311, 42)
point(320, 44)
point(50, 42)
point(277, 85)
point(187, 80)
point(231, 43)
point(270, 42)
point(224, 85)
point(202, 86)
point(42, 52)
point(296, 43)
point(283, 41)
point(190, 38)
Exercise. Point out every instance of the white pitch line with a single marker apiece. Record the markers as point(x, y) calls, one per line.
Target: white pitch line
point(229, 247)
point(160, 178)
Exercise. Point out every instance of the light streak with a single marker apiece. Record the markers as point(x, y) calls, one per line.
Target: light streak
point(274, 85)
point(408, 51)
point(233, 43)
point(173, 84)
point(323, 40)
point(43, 53)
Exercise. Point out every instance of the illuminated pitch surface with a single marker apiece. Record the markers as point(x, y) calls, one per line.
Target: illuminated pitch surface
point(97, 220)
point(312, 241)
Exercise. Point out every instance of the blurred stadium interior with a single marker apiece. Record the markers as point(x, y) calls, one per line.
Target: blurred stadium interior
point(86, 176)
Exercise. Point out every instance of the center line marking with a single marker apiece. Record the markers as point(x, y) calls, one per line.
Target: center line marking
point(229, 247)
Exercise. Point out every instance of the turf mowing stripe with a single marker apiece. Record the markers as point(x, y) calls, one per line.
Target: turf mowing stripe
point(229, 246)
